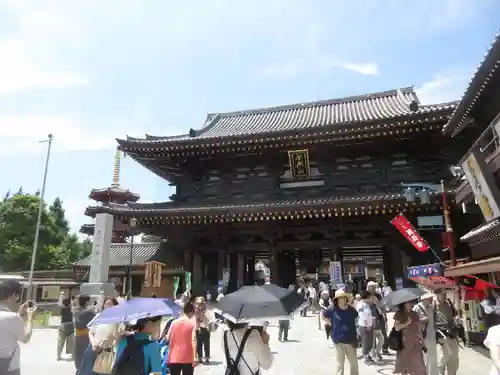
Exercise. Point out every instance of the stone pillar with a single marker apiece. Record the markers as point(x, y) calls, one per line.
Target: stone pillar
point(221, 264)
point(197, 275)
point(99, 268)
point(241, 270)
point(275, 274)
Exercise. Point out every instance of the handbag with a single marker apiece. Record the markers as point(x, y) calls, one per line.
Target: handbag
point(213, 326)
point(395, 340)
point(103, 363)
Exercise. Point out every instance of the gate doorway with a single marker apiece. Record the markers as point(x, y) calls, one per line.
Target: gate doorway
point(287, 269)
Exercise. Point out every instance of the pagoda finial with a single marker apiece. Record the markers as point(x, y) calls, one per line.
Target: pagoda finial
point(116, 169)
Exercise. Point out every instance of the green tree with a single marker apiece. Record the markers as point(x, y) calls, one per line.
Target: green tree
point(58, 214)
point(75, 248)
point(57, 247)
point(18, 215)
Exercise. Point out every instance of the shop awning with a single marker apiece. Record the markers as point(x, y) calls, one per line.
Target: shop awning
point(431, 276)
point(51, 282)
point(474, 268)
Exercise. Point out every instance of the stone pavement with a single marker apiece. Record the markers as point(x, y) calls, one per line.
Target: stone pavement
point(307, 352)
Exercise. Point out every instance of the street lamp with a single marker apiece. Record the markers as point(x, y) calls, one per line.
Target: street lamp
point(412, 192)
point(410, 195)
point(132, 224)
point(425, 196)
point(39, 218)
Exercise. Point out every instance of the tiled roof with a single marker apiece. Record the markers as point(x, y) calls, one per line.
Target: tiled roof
point(477, 84)
point(481, 231)
point(119, 254)
point(173, 209)
point(87, 229)
point(304, 116)
point(113, 193)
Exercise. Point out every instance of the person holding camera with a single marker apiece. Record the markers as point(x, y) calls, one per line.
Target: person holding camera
point(246, 348)
point(16, 327)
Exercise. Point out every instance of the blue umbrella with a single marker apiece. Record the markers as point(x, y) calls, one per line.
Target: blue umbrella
point(135, 309)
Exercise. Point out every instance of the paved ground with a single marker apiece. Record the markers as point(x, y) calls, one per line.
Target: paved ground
point(307, 352)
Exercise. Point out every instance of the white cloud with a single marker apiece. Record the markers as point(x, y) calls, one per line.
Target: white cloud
point(367, 69)
point(443, 88)
point(292, 68)
point(311, 57)
point(40, 19)
point(22, 133)
point(20, 72)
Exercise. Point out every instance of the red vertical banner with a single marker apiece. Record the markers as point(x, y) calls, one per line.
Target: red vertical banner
point(410, 233)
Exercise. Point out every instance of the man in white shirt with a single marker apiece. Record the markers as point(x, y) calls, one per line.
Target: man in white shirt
point(12, 327)
point(426, 316)
point(256, 353)
point(365, 324)
point(312, 298)
point(386, 289)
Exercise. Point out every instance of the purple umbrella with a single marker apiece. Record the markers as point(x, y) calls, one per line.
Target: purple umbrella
point(135, 309)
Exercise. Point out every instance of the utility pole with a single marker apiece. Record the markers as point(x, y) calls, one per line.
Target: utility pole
point(448, 227)
point(39, 219)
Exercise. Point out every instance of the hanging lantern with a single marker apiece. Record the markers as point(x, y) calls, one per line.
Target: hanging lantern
point(410, 195)
point(425, 196)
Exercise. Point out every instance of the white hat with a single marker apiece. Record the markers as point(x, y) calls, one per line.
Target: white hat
point(427, 295)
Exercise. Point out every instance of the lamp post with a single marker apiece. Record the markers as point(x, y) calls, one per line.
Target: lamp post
point(132, 223)
point(39, 218)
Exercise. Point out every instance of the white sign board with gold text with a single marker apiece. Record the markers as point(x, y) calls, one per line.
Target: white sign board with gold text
point(485, 191)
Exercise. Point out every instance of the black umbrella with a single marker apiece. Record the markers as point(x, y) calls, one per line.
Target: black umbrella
point(259, 301)
point(401, 296)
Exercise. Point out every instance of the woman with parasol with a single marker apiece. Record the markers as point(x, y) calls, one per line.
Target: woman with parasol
point(410, 356)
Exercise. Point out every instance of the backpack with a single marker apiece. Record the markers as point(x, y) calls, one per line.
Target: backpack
point(5, 363)
point(232, 364)
point(131, 361)
point(395, 340)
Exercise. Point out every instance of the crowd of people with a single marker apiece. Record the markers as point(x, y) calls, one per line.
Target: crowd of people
point(361, 322)
point(356, 323)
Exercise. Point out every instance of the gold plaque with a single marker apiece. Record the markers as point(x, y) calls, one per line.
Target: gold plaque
point(299, 164)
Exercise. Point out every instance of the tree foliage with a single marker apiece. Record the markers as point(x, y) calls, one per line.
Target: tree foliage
point(57, 246)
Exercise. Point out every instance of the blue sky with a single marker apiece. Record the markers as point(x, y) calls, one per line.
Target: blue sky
point(89, 71)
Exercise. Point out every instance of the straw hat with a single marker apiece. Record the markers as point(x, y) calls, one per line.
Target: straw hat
point(340, 294)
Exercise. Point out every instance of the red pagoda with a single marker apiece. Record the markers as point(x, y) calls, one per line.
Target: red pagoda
point(113, 194)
